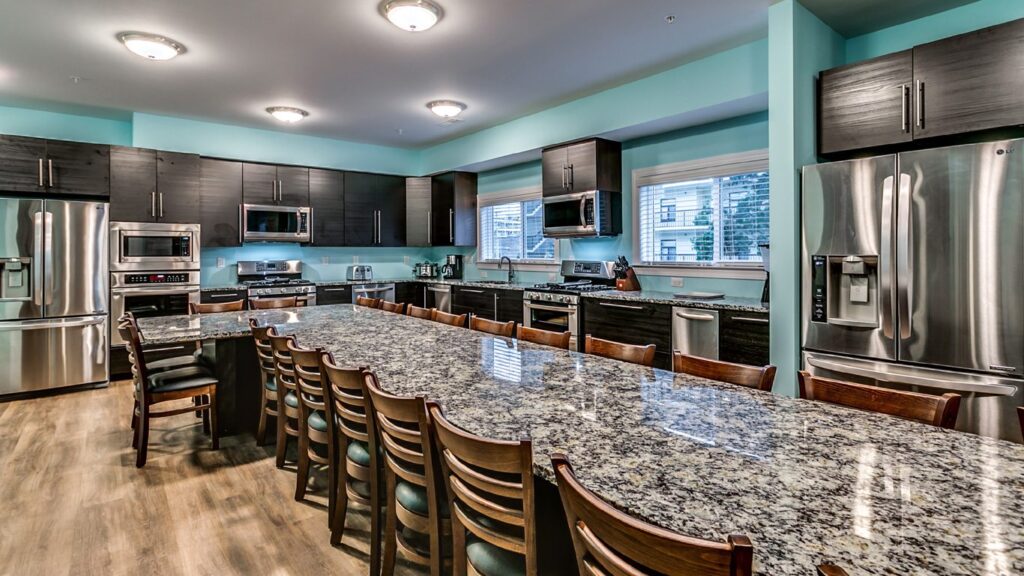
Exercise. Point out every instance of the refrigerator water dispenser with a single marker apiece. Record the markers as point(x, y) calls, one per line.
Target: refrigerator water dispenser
point(15, 278)
point(845, 290)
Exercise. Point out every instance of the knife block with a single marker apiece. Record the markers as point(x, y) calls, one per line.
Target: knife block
point(628, 284)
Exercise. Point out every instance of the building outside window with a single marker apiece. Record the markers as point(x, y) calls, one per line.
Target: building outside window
point(668, 210)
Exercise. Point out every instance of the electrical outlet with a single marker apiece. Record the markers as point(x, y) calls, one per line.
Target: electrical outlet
point(677, 282)
point(483, 273)
point(325, 259)
point(355, 259)
point(220, 262)
point(407, 260)
point(552, 277)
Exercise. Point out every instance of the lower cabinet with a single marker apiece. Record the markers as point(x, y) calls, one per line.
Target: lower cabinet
point(630, 323)
point(510, 306)
point(221, 296)
point(477, 301)
point(333, 295)
point(410, 293)
point(743, 337)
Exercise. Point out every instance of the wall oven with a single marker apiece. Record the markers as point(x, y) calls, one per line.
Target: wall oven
point(136, 246)
point(581, 214)
point(151, 294)
point(275, 223)
point(553, 312)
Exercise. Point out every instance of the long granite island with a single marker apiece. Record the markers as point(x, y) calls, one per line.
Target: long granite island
point(807, 482)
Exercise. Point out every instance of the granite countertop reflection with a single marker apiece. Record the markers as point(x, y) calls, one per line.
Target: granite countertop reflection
point(808, 482)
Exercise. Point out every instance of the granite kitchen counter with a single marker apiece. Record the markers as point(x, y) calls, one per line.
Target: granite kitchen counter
point(654, 297)
point(231, 288)
point(474, 283)
point(808, 482)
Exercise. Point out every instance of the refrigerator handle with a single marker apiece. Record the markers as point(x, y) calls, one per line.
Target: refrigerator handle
point(885, 260)
point(48, 257)
point(37, 258)
point(903, 294)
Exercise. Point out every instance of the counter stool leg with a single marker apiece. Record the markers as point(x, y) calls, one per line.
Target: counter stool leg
point(214, 431)
point(143, 436)
point(390, 528)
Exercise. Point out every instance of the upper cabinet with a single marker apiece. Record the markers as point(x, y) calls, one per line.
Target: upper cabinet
point(441, 210)
point(418, 221)
point(270, 184)
point(220, 200)
point(151, 186)
point(327, 198)
point(964, 84)
point(54, 166)
point(375, 209)
point(594, 164)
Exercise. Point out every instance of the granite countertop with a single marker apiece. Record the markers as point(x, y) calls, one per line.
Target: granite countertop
point(654, 297)
point(808, 482)
point(231, 288)
point(474, 283)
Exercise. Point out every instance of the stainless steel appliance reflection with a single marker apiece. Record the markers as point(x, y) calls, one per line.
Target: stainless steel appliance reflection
point(695, 332)
point(382, 291)
point(260, 223)
point(53, 294)
point(912, 275)
point(438, 296)
point(151, 294)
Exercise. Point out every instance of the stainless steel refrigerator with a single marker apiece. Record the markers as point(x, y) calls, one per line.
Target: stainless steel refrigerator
point(53, 294)
point(913, 276)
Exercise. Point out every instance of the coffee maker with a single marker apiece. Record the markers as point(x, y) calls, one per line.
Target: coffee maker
point(452, 268)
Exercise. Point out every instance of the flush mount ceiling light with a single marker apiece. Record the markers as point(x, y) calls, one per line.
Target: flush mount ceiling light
point(411, 15)
point(287, 114)
point(151, 46)
point(446, 108)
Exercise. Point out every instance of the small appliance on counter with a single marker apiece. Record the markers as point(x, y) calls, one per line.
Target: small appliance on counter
point(359, 272)
point(625, 277)
point(425, 270)
point(452, 268)
point(276, 279)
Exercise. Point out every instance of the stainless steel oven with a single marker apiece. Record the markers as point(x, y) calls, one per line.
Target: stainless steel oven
point(136, 246)
point(554, 312)
point(276, 223)
point(150, 294)
point(581, 214)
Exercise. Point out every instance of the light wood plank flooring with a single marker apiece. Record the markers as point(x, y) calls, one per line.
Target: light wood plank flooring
point(74, 503)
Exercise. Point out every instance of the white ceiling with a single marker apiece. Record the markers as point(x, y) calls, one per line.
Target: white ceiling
point(359, 77)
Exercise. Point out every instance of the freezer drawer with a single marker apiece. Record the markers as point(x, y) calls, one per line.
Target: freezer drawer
point(52, 353)
point(988, 404)
point(695, 332)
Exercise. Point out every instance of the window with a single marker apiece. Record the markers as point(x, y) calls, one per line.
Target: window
point(513, 225)
point(711, 212)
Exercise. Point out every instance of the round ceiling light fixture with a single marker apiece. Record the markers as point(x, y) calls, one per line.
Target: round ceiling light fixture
point(287, 113)
point(446, 108)
point(151, 46)
point(411, 15)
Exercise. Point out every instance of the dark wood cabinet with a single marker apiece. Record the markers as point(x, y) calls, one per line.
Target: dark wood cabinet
point(480, 302)
point(22, 164)
point(418, 217)
point(293, 185)
point(594, 164)
point(151, 186)
point(411, 293)
point(630, 323)
point(391, 207)
point(866, 105)
point(78, 168)
point(220, 196)
point(453, 209)
point(333, 295)
point(177, 187)
point(374, 209)
point(743, 337)
point(327, 198)
point(271, 184)
point(220, 296)
point(510, 306)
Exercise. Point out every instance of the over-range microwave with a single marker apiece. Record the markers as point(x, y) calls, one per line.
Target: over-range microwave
point(275, 223)
point(582, 214)
point(145, 246)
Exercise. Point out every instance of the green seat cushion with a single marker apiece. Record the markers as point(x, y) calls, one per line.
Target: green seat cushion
point(359, 453)
point(271, 384)
point(360, 487)
point(291, 399)
point(317, 421)
point(414, 499)
point(490, 560)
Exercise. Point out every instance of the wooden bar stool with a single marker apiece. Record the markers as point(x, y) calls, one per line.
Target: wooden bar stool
point(416, 522)
point(313, 426)
point(156, 388)
point(617, 351)
point(269, 400)
point(367, 302)
point(505, 329)
point(274, 303)
point(395, 307)
point(214, 307)
point(284, 376)
point(417, 312)
point(458, 320)
point(608, 541)
point(830, 570)
point(762, 378)
point(939, 411)
point(491, 499)
point(544, 337)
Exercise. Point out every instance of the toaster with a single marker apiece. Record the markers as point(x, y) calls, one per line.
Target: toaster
point(359, 272)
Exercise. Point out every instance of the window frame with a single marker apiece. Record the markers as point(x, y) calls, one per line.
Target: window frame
point(712, 167)
point(506, 197)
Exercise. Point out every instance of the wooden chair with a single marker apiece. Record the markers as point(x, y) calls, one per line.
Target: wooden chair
point(491, 499)
point(750, 376)
point(214, 307)
point(830, 570)
point(505, 329)
point(417, 312)
point(544, 337)
point(273, 303)
point(458, 320)
point(268, 394)
point(626, 352)
point(413, 493)
point(395, 307)
point(367, 302)
point(313, 427)
point(608, 541)
point(939, 411)
point(156, 388)
point(284, 375)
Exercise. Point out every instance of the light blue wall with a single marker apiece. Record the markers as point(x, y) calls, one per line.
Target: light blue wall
point(61, 126)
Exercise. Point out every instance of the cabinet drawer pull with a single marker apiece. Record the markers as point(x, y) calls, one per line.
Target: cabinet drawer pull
point(750, 320)
point(228, 295)
point(335, 289)
point(468, 291)
point(697, 317)
point(623, 306)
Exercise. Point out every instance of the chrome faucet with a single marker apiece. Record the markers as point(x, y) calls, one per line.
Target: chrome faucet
point(511, 272)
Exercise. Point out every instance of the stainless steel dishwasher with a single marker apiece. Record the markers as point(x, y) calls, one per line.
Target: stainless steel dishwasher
point(695, 332)
point(438, 296)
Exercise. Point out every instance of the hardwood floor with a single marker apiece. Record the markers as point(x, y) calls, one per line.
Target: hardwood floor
point(74, 503)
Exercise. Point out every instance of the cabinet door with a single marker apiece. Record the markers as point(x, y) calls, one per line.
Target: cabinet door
point(220, 197)
point(554, 175)
point(866, 104)
point(391, 204)
point(970, 82)
point(510, 306)
point(327, 197)
point(259, 183)
point(582, 159)
point(293, 185)
point(442, 206)
point(177, 187)
point(630, 323)
point(743, 337)
point(410, 293)
point(360, 209)
point(465, 208)
point(78, 168)
point(132, 184)
point(477, 301)
point(333, 295)
point(221, 296)
point(22, 164)
point(417, 211)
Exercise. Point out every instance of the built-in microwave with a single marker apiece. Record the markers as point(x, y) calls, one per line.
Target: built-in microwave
point(136, 246)
point(592, 213)
point(276, 223)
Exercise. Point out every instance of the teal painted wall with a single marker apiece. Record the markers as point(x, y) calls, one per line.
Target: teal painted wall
point(61, 126)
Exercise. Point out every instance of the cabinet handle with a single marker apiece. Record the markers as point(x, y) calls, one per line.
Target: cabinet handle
point(152, 204)
point(623, 306)
point(451, 226)
point(904, 104)
point(430, 239)
point(41, 172)
point(920, 103)
point(750, 320)
point(572, 177)
point(563, 177)
point(160, 197)
point(225, 295)
point(334, 289)
point(49, 162)
point(280, 190)
point(468, 291)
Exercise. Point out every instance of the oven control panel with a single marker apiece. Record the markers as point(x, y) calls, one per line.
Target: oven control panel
point(173, 278)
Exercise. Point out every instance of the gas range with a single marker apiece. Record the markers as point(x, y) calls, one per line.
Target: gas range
point(279, 287)
point(579, 277)
point(275, 278)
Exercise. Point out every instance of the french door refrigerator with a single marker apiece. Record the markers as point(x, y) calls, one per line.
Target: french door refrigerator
point(913, 276)
point(53, 294)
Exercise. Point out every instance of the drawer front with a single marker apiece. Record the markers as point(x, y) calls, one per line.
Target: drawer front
point(221, 296)
point(477, 301)
point(333, 295)
point(510, 306)
point(410, 293)
point(744, 337)
point(630, 323)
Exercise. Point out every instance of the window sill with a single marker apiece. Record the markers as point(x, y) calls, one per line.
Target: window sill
point(524, 266)
point(736, 273)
